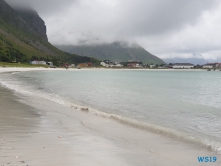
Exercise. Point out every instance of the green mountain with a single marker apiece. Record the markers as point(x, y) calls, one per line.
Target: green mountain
point(23, 38)
point(116, 52)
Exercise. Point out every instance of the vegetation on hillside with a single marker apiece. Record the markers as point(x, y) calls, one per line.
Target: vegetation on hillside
point(19, 42)
point(5, 64)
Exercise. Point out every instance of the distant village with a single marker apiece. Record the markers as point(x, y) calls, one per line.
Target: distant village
point(132, 64)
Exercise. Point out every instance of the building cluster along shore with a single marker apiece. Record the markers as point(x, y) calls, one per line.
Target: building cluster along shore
point(134, 64)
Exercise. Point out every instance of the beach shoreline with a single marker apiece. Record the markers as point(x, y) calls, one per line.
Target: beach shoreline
point(69, 136)
point(19, 69)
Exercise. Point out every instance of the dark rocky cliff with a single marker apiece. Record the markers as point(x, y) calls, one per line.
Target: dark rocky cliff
point(23, 18)
point(4, 8)
point(31, 17)
point(10, 16)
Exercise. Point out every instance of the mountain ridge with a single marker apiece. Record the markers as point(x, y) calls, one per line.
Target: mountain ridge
point(116, 51)
point(193, 60)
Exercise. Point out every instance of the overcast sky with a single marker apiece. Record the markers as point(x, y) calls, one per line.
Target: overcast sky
point(166, 28)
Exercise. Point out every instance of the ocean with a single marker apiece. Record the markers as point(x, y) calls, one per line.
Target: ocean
point(181, 104)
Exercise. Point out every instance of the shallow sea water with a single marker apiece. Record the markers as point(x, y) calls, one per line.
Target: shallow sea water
point(185, 104)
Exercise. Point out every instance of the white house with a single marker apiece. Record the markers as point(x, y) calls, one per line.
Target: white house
point(104, 64)
point(119, 65)
point(182, 66)
point(36, 62)
point(138, 65)
point(211, 65)
point(111, 65)
point(152, 66)
point(208, 66)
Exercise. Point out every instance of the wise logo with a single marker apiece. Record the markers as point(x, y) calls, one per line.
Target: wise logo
point(207, 159)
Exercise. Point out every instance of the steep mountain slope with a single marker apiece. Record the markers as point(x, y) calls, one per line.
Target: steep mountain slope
point(23, 38)
point(31, 17)
point(117, 52)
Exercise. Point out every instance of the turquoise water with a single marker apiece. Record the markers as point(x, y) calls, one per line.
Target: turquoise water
point(182, 103)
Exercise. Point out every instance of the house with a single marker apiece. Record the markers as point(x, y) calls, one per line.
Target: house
point(131, 64)
point(111, 64)
point(152, 66)
point(162, 67)
point(65, 65)
point(182, 66)
point(119, 65)
point(134, 65)
point(37, 62)
point(50, 63)
point(89, 64)
point(212, 65)
point(104, 64)
point(83, 65)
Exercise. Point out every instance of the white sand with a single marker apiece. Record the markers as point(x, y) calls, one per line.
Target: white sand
point(66, 136)
point(13, 69)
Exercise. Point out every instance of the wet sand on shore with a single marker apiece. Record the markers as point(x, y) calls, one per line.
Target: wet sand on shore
point(25, 134)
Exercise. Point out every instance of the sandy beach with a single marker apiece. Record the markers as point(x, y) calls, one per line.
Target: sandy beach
point(35, 131)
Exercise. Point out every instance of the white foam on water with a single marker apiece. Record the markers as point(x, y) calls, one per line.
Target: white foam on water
point(209, 144)
point(212, 145)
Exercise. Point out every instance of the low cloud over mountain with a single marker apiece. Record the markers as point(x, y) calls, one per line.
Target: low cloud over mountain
point(164, 28)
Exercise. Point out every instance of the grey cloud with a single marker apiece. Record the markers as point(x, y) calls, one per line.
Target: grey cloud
point(44, 7)
point(161, 26)
point(131, 18)
point(156, 16)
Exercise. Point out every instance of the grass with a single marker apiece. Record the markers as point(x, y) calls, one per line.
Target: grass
point(5, 64)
